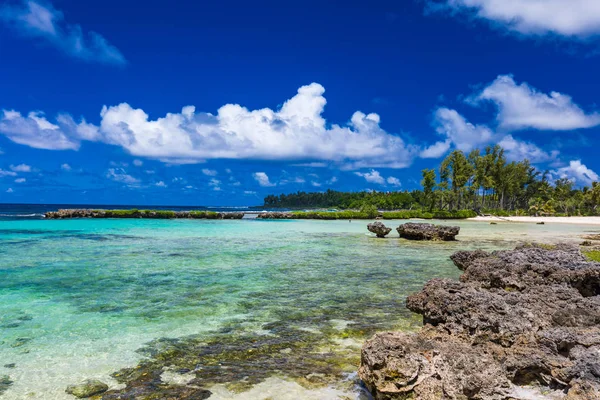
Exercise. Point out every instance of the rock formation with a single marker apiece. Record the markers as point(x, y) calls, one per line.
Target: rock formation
point(520, 321)
point(379, 229)
point(149, 214)
point(420, 231)
point(88, 388)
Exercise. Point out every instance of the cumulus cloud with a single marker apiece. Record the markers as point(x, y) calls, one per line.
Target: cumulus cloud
point(9, 190)
point(34, 130)
point(21, 168)
point(567, 18)
point(463, 134)
point(138, 163)
point(522, 107)
point(262, 179)
point(296, 131)
point(315, 184)
point(20, 180)
point(7, 173)
point(42, 21)
point(372, 177)
point(393, 181)
point(578, 173)
point(436, 150)
point(333, 180)
point(160, 184)
point(119, 175)
point(65, 167)
point(209, 172)
point(518, 150)
point(215, 184)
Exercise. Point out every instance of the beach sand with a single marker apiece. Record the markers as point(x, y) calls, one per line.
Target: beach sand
point(546, 220)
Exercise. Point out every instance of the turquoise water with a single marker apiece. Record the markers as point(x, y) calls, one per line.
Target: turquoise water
point(80, 298)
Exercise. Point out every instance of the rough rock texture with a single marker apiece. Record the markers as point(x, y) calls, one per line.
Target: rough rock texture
point(149, 214)
point(88, 388)
point(526, 317)
point(379, 229)
point(420, 231)
point(275, 215)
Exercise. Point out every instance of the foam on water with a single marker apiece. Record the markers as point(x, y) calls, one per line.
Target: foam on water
point(79, 298)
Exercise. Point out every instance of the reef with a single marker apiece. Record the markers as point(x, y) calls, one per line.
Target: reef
point(521, 323)
point(379, 229)
point(420, 231)
point(149, 214)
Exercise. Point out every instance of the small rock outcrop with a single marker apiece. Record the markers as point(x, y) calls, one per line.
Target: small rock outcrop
point(379, 229)
point(421, 231)
point(88, 388)
point(275, 215)
point(519, 321)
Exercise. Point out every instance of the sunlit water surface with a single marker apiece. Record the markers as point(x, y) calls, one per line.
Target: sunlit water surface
point(78, 298)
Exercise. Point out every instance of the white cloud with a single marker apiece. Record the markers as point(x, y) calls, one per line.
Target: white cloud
point(372, 177)
point(523, 107)
point(463, 134)
point(42, 21)
point(311, 165)
point(436, 150)
point(10, 190)
point(138, 163)
point(315, 184)
point(568, 18)
point(20, 180)
point(517, 150)
point(578, 173)
point(262, 179)
point(227, 170)
point(21, 168)
point(65, 167)
point(7, 173)
point(119, 175)
point(209, 172)
point(249, 192)
point(333, 179)
point(36, 131)
point(296, 131)
point(215, 184)
point(393, 181)
point(160, 184)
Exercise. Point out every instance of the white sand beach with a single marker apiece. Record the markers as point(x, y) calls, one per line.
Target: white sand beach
point(546, 220)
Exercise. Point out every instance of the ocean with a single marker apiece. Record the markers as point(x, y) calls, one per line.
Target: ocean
point(259, 309)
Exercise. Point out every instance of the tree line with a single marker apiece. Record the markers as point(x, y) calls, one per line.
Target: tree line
point(483, 181)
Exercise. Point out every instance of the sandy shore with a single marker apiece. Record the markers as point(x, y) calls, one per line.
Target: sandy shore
point(547, 220)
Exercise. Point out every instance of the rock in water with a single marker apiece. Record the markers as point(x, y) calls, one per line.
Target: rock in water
point(88, 388)
point(379, 229)
point(525, 317)
point(420, 231)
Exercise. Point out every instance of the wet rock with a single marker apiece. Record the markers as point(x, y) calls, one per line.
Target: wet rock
point(379, 229)
point(88, 388)
point(275, 215)
point(422, 231)
point(529, 316)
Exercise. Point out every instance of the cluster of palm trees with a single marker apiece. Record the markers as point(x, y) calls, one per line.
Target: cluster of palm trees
point(487, 181)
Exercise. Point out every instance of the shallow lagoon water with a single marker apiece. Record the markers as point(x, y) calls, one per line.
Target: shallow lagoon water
point(80, 298)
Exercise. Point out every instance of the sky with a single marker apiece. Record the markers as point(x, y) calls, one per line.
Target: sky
point(222, 103)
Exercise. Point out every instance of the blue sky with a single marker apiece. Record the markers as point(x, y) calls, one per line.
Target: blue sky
point(221, 103)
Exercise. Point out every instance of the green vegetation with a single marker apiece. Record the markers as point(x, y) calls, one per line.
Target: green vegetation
point(480, 181)
point(155, 214)
point(349, 214)
point(592, 255)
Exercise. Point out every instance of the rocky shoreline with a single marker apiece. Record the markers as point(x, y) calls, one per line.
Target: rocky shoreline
point(520, 324)
point(149, 214)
